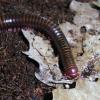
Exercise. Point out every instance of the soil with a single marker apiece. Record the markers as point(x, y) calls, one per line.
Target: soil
point(17, 80)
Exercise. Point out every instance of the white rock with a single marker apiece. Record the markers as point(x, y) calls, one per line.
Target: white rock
point(85, 14)
point(41, 51)
point(85, 90)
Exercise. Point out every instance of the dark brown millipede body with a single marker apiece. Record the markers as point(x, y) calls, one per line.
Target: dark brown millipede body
point(69, 68)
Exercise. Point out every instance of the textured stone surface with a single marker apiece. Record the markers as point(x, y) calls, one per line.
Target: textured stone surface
point(85, 90)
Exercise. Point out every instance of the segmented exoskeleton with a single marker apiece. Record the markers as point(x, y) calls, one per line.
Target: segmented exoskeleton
point(44, 25)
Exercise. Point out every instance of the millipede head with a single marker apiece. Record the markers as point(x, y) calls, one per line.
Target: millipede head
point(71, 73)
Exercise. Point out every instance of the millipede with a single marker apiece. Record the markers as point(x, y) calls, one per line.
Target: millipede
point(46, 26)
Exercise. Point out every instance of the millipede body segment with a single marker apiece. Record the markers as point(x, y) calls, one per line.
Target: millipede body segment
point(45, 26)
